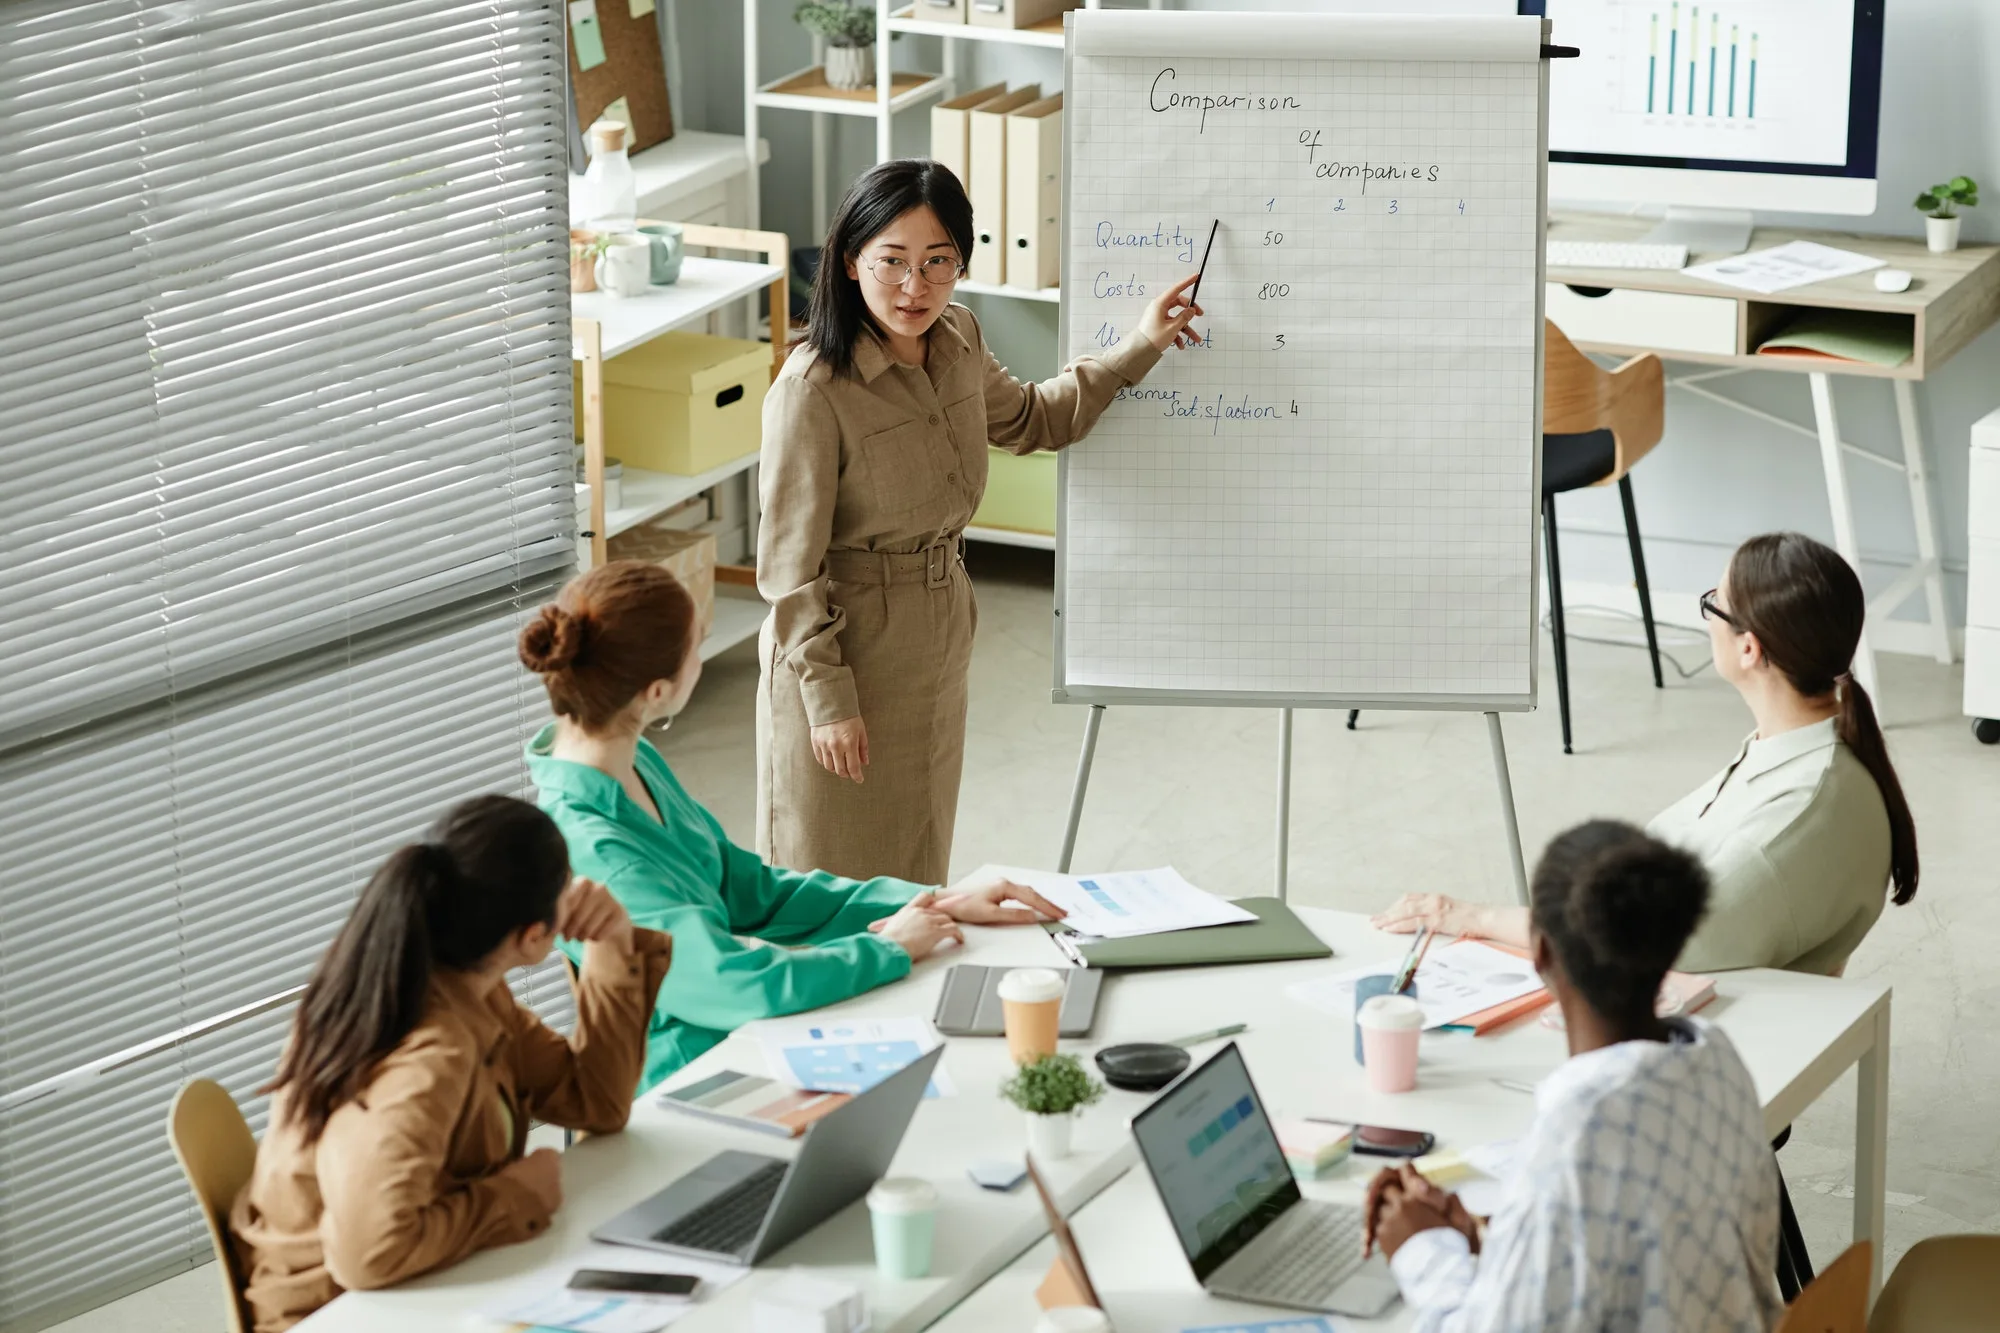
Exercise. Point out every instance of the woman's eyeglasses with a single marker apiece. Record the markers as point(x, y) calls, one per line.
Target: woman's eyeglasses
point(892, 271)
point(1710, 611)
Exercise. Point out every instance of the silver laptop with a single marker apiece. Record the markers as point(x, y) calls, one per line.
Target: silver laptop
point(742, 1207)
point(1248, 1232)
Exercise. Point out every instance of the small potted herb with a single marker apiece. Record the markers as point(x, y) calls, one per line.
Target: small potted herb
point(1052, 1090)
point(849, 31)
point(1940, 205)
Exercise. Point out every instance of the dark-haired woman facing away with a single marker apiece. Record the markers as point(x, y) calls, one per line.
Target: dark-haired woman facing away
point(875, 440)
point(1807, 829)
point(1644, 1196)
point(403, 1099)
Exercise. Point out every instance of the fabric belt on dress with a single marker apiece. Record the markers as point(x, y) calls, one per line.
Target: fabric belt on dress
point(930, 567)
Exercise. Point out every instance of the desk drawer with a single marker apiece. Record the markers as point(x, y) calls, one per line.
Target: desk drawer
point(1666, 321)
point(1982, 510)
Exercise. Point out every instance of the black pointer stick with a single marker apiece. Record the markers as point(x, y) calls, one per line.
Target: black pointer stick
point(1204, 261)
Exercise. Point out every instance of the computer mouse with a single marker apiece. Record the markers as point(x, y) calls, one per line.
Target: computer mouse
point(1892, 280)
point(1142, 1066)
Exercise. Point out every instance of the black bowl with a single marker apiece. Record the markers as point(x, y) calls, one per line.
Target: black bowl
point(1142, 1066)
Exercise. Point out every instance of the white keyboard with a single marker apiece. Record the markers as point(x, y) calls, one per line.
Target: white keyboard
point(1616, 254)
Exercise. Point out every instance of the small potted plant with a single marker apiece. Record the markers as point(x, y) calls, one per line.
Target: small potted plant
point(849, 31)
point(1051, 1090)
point(584, 249)
point(1940, 205)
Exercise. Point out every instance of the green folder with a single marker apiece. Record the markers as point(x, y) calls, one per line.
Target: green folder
point(1276, 935)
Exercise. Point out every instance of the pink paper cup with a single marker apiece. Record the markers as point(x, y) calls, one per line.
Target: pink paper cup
point(1391, 1026)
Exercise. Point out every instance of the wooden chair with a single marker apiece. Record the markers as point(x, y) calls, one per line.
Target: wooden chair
point(1596, 424)
point(216, 1151)
point(1837, 1300)
point(1947, 1284)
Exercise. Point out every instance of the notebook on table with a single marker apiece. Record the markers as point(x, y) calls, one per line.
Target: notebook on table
point(1277, 935)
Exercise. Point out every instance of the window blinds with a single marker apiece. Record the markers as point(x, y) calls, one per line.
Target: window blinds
point(197, 855)
point(283, 330)
point(284, 462)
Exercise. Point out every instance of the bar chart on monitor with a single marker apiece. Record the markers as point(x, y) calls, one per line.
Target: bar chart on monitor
point(1750, 80)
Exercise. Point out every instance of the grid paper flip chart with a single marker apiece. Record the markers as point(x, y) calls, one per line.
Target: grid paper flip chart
point(1335, 497)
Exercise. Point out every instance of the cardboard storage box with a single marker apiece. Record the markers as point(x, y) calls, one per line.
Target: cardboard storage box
point(688, 556)
point(683, 403)
point(1020, 492)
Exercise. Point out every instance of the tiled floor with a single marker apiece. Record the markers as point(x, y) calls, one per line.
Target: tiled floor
point(1407, 802)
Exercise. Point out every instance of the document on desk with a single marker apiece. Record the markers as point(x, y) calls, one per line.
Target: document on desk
point(822, 1054)
point(1126, 903)
point(1793, 264)
point(1452, 983)
point(543, 1299)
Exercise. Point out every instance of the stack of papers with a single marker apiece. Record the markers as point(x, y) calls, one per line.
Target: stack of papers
point(1453, 983)
point(1130, 902)
point(1782, 267)
point(845, 1054)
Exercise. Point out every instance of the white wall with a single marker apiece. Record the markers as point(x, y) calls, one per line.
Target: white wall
point(1719, 476)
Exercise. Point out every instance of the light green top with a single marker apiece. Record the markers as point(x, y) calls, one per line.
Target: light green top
point(1796, 840)
point(750, 940)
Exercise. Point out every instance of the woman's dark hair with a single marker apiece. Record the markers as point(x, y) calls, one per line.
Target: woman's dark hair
point(489, 867)
point(607, 636)
point(1805, 605)
point(1617, 906)
point(837, 314)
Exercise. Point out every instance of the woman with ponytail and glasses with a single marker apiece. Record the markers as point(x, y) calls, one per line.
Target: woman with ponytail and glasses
point(400, 1110)
point(1806, 830)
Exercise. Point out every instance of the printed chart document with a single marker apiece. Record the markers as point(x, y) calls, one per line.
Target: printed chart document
point(1452, 982)
point(846, 1054)
point(543, 1299)
point(1793, 264)
point(1130, 902)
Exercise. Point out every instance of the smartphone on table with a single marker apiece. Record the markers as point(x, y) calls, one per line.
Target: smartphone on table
point(1381, 1142)
point(616, 1283)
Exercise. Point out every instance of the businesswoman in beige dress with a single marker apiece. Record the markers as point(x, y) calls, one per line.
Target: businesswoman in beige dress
point(875, 438)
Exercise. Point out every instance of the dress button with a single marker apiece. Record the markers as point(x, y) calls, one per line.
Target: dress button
point(934, 418)
point(951, 477)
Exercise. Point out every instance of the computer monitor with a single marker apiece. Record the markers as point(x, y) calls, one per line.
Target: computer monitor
point(1715, 109)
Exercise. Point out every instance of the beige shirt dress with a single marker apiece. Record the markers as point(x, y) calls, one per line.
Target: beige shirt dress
point(869, 480)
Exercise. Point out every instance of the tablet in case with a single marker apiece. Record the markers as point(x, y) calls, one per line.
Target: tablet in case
point(969, 1004)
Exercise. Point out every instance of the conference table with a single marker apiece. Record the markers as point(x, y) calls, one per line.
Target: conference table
point(1796, 1033)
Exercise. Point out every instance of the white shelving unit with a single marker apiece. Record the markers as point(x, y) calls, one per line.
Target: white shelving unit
point(602, 326)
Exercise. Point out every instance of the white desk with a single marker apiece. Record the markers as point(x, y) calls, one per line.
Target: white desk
point(1796, 1033)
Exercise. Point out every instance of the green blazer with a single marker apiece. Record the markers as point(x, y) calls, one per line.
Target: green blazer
point(750, 940)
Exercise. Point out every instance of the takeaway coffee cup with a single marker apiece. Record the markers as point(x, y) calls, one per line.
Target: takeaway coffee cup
point(903, 1211)
point(1390, 1028)
point(1031, 1008)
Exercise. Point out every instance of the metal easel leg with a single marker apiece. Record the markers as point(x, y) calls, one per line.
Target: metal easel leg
point(1090, 726)
point(1284, 796)
point(1507, 815)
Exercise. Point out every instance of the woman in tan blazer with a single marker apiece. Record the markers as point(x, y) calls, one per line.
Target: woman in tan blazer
point(875, 438)
point(398, 1128)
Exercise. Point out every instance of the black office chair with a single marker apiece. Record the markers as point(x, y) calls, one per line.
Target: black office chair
point(1596, 424)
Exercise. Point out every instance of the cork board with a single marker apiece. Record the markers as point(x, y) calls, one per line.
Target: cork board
point(633, 70)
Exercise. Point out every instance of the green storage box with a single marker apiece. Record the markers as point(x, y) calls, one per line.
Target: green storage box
point(683, 403)
point(1020, 493)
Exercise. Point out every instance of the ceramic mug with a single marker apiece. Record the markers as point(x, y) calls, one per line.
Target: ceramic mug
point(668, 249)
point(624, 266)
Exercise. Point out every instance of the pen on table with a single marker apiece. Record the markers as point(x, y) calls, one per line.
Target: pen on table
point(1192, 295)
point(1408, 970)
point(1065, 940)
point(1213, 1034)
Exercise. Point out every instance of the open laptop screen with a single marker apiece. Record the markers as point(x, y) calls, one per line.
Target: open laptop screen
point(1215, 1160)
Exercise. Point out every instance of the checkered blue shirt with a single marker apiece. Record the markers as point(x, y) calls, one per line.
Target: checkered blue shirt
point(1644, 1198)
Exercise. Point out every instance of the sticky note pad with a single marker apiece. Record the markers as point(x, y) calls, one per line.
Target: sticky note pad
point(586, 39)
point(640, 8)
